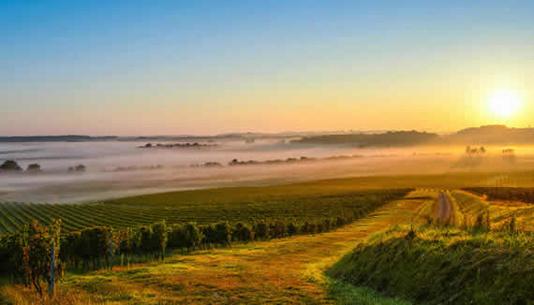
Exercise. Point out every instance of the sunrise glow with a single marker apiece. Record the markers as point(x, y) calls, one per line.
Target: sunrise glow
point(504, 103)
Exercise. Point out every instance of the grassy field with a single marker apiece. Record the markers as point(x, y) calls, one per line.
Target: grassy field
point(444, 266)
point(285, 271)
point(464, 262)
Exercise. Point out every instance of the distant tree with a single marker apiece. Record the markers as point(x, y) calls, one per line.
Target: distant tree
point(34, 168)
point(80, 168)
point(482, 150)
point(212, 164)
point(10, 165)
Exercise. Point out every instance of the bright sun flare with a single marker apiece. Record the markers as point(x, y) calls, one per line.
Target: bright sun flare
point(504, 103)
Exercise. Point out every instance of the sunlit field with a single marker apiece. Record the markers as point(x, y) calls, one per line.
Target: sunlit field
point(257, 152)
point(256, 271)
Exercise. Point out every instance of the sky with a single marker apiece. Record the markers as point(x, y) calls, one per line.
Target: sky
point(209, 67)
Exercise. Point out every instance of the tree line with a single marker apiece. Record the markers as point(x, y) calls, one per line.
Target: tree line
point(11, 166)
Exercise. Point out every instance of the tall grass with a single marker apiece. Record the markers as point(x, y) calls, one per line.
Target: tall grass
point(444, 266)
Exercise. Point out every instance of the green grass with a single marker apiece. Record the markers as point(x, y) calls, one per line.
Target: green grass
point(347, 294)
point(444, 266)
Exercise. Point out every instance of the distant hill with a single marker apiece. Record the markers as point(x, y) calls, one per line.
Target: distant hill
point(492, 134)
point(228, 136)
point(483, 135)
point(65, 138)
point(390, 138)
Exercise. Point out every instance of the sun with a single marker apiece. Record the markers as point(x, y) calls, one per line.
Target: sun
point(504, 103)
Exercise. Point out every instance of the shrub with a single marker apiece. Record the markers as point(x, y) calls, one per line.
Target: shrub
point(10, 166)
point(33, 168)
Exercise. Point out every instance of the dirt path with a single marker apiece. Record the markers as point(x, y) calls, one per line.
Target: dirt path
point(288, 271)
point(444, 208)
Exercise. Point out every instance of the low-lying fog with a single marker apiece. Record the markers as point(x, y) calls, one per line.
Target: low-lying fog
point(115, 169)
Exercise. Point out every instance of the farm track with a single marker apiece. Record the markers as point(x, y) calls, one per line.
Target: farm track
point(288, 271)
point(444, 208)
point(445, 212)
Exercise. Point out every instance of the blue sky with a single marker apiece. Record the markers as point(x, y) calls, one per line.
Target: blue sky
point(173, 67)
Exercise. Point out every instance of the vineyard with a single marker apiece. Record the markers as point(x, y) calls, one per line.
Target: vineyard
point(148, 210)
point(98, 240)
point(522, 194)
point(448, 226)
point(505, 205)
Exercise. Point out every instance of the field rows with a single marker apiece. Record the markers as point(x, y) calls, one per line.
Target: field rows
point(13, 216)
